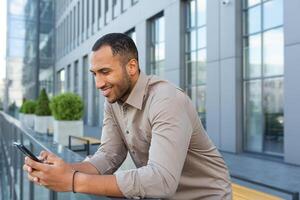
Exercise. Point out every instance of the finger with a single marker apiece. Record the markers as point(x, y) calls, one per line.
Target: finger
point(32, 178)
point(33, 164)
point(44, 155)
point(27, 168)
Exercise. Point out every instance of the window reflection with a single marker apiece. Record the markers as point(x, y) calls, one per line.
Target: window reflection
point(263, 77)
point(273, 13)
point(252, 56)
point(157, 45)
point(273, 52)
point(249, 3)
point(253, 116)
point(254, 25)
point(195, 62)
point(273, 110)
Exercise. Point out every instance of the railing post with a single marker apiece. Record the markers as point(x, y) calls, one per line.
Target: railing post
point(296, 196)
point(31, 184)
point(52, 195)
point(21, 171)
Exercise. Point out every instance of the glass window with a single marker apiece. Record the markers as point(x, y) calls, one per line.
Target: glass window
point(85, 94)
point(252, 56)
point(273, 13)
point(253, 116)
point(69, 77)
point(131, 33)
point(273, 48)
point(274, 124)
point(195, 55)
point(87, 13)
point(61, 81)
point(254, 25)
point(250, 3)
point(201, 12)
point(99, 8)
point(82, 16)
point(263, 77)
point(93, 11)
point(157, 45)
point(76, 77)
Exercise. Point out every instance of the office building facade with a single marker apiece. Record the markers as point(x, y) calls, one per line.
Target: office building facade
point(236, 59)
point(30, 48)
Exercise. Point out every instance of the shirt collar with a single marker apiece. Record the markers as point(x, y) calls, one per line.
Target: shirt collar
point(136, 96)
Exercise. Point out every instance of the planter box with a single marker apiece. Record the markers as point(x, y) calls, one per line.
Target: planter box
point(21, 116)
point(42, 124)
point(28, 120)
point(62, 130)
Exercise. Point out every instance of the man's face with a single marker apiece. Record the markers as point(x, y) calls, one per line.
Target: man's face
point(110, 76)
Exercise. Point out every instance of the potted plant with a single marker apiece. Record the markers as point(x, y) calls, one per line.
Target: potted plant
point(21, 111)
point(67, 109)
point(29, 110)
point(42, 119)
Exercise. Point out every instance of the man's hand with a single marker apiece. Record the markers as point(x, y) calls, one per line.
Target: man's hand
point(54, 173)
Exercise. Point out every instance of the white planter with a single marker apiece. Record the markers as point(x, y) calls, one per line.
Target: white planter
point(62, 130)
point(21, 115)
point(28, 120)
point(42, 124)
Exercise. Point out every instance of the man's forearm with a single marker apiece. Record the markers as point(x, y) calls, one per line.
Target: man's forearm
point(105, 185)
point(84, 167)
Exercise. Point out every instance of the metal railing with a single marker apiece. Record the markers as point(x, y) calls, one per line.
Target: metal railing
point(14, 184)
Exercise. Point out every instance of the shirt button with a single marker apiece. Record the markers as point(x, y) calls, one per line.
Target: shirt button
point(133, 152)
point(127, 131)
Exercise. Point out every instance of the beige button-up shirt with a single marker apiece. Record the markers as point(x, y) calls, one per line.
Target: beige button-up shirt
point(160, 128)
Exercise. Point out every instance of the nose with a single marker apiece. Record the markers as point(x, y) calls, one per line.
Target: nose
point(100, 83)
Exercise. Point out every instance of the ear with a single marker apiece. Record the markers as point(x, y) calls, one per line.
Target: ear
point(132, 67)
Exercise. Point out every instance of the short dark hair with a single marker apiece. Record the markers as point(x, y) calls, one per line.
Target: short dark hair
point(120, 44)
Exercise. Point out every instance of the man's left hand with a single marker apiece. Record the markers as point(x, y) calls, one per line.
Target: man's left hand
point(54, 173)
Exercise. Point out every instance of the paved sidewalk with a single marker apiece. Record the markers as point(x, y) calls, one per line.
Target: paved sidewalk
point(274, 173)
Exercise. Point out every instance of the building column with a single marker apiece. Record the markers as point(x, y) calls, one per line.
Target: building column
point(173, 42)
point(291, 82)
point(224, 80)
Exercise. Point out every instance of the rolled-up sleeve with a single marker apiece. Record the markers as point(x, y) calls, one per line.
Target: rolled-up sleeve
point(171, 133)
point(112, 151)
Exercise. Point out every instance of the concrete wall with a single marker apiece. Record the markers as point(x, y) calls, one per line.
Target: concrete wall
point(224, 67)
point(291, 81)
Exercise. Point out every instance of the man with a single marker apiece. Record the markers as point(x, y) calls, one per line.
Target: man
point(153, 120)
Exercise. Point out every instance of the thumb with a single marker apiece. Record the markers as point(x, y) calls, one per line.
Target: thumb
point(51, 158)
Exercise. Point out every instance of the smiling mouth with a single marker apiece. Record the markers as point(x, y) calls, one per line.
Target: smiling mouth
point(106, 92)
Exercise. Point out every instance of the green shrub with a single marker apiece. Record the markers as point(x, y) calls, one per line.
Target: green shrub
point(29, 107)
point(22, 106)
point(42, 104)
point(67, 106)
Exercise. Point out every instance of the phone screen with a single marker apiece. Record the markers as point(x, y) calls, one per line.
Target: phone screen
point(26, 152)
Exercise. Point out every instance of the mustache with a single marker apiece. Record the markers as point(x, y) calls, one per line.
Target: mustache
point(107, 86)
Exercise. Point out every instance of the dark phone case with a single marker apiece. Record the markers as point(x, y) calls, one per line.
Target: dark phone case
point(27, 152)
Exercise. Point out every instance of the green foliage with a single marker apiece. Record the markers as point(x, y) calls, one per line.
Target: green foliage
point(67, 106)
point(1, 105)
point(42, 107)
point(22, 106)
point(29, 107)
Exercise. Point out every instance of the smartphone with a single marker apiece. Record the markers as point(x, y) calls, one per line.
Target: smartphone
point(25, 151)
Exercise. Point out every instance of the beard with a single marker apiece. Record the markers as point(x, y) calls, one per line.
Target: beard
point(123, 89)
